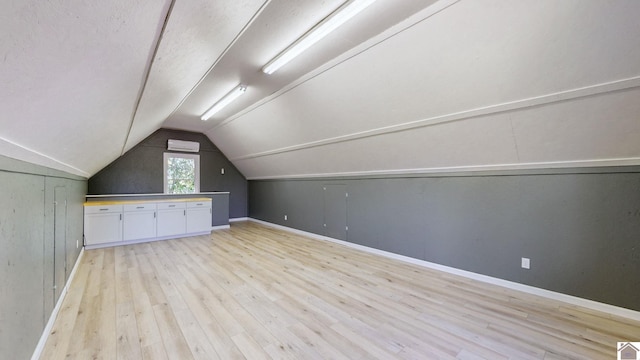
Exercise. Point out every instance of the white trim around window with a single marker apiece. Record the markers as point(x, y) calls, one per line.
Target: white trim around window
point(168, 155)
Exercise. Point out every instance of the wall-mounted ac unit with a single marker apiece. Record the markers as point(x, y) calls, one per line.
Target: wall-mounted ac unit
point(181, 145)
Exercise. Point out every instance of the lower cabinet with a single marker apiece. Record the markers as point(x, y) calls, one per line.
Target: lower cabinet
point(172, 219)
point(198, 216)
point(102, 224)
point(139, 221)
point(129, 222)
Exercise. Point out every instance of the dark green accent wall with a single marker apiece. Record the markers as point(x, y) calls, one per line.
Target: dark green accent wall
point(140, 170)
point(580, 228)
point(32, 258)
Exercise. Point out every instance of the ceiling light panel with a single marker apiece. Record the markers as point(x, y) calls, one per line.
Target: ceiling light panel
point(322, 29)
point(226, 100)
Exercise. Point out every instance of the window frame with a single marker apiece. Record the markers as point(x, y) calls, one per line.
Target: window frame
point(195, 157)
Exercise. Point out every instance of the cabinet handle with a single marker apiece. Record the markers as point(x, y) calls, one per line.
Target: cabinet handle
point(139, 207)
point(185, 212)
point(120, 217)
point(104, 209)
point(199, 204)
point(154, 214)
point(172, 206)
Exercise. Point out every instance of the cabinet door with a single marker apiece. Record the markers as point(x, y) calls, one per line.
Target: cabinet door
point(102, 228)
point(171, 222)
point(139, 225)
point(198, 220)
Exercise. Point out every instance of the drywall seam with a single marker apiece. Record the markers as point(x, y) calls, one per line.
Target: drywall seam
point(408, 23)
point(44, 160)
point(592, 90)
point(633, 161)
point(147, 73)
point(224, 52)
point(573, 300)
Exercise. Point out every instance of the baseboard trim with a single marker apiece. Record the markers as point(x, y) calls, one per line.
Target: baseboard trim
point(570, 299)
point(239, 219)
point(220, 227)
point(140, 241)
point(54, 314)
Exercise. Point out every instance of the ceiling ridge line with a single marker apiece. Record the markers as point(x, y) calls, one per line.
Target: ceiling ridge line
point(147, 73)
point(224, 52)
point(543, 165)
point(387, 34)
point(572, 94)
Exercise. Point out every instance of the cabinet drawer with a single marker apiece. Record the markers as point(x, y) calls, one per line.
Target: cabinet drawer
point(171, 205)
point(198, 204)
point(140, 207)
point(91, 209)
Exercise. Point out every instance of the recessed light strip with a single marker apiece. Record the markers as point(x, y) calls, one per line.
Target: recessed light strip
point(226, 100)
point(339, 17)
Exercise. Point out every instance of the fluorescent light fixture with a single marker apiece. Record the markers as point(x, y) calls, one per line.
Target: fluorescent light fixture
point(339, 17)
point(226, 100)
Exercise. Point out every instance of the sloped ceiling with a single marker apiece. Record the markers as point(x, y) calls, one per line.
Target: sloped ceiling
point(404, 87)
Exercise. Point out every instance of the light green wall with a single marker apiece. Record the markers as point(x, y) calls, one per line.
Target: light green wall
point(27, 246)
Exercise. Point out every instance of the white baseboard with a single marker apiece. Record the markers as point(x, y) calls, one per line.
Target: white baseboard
point(140, 241)
point(570, 299)
point(54, 314)
point(239, 219)
point(220, 227)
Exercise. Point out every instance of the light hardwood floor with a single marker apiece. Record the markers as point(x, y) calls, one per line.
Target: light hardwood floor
point(258, 293)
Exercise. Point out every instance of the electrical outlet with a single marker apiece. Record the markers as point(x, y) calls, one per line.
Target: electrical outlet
point(285, 217)
point(526, 263)
point(222, 171)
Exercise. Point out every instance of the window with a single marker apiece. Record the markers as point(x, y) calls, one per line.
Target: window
point(181, 173)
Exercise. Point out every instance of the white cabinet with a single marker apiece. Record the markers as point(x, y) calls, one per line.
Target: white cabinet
point(102, 224)
point(139, 221)
point(128, 222)
point(172, 218)
point(198, 216)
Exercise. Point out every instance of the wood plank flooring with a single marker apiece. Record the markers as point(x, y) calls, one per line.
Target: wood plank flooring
point(258, 293)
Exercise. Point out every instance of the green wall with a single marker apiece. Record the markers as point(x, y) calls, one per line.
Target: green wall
point(35, 259)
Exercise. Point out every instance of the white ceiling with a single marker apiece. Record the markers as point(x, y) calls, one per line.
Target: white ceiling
point(405, 86)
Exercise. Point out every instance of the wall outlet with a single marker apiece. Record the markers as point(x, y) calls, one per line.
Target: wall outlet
point(222, 171)
point(285, 217)
point(526, 263)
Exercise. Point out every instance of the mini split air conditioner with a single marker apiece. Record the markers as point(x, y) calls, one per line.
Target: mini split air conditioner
point(180, 145)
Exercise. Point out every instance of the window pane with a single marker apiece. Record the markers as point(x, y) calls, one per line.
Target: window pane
point(181, 175)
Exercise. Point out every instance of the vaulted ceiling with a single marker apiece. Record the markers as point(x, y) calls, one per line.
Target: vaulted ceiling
point(405, 86)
